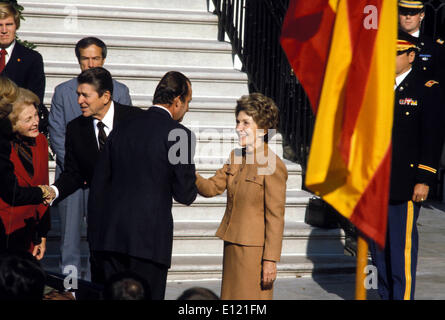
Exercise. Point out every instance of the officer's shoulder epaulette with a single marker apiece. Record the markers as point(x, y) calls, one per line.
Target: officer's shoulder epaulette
point(440, 41)
point(431, 83)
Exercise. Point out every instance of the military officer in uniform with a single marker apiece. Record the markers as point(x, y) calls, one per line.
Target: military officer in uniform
point(431, 58)
point(416, 139)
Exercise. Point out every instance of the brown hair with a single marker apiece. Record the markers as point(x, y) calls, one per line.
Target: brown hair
point(25, 98)
point(262, 109)
point(8, 10)
point(8, 94)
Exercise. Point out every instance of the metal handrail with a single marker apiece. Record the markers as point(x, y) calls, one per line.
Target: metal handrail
point(253, 28)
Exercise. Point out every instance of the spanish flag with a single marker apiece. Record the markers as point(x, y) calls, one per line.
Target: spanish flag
point(343, 53)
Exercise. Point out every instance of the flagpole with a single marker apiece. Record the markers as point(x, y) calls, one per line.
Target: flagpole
point(362, 262)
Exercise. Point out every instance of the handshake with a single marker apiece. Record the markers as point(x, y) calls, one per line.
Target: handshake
point(48, 194)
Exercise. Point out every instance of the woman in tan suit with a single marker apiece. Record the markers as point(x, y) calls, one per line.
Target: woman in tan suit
point(252, 226)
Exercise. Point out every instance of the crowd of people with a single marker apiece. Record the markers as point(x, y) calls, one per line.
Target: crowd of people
point(120, 167)
point(116, 162)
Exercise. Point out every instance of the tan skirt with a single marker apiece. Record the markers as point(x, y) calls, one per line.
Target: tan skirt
point(242, 267)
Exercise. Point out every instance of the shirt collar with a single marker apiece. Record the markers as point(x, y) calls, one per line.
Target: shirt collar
point(157, 106)
point(108, 118)
point(401, 77)
point(416, 34)
point(10, 48)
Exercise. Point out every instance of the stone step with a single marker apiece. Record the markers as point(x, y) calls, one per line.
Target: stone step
point(95, 19)
point(208, 211)
point(143, 79)
point(218, 111)
point(220, 141)
point(298, 239)
point(195, 5)
point(294, 181)
point(210, 266)
point(198, 238)
point(58, 46)
point(212, 209)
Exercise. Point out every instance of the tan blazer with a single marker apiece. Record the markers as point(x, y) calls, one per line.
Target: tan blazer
point(256, 197)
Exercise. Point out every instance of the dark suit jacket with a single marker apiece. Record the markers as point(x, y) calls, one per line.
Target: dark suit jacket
point(417, 135)
point(130, 201)
point(25, 68)
point(81, 150)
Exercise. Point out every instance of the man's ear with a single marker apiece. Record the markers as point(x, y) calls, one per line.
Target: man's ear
point(177, 101)
point(422, 15)
point(411, 56)
point(106, 97)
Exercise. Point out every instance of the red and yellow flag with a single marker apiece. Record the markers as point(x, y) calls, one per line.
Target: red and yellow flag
point(343, 53)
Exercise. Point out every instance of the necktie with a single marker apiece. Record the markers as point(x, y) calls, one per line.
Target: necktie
point(102, 137)
point(2, 59)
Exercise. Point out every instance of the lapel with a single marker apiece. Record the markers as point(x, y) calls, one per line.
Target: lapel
point(88, 136)
point(118, 113)
point(405, 84)
point(88, 133)
point(16, 58)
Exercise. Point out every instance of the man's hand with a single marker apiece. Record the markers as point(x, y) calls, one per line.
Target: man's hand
point(420, 192)
point(39, 250)
point(48, 194)
point(269, 274)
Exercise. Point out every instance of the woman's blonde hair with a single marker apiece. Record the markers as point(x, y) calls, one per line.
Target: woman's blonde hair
point(25, 97)
point(8, 94)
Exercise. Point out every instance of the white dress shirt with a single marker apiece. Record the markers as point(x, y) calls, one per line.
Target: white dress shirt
point(9, 52)
point(107, 121)
point(400, 78)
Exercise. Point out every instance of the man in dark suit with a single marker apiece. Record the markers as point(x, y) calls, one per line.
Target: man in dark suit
point(146, 162)
point(91, 52)
point(20, 64)
point(86, 134)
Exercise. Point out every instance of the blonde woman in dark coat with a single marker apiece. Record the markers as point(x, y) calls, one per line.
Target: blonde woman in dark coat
point(252, 226)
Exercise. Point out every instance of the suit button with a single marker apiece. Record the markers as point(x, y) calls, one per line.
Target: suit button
point(411, 165)
point(407, 113)
point(424, 68)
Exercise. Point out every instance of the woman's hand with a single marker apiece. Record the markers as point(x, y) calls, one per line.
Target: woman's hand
point(269, 274)
point(39, 250)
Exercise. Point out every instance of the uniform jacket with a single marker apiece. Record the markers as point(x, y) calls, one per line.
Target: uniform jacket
point(81, 150)
point(416, 136)
point(145, 163)
point(64, 108)
point(19, 222)
point(431, 58)
point(254, 213)
point(10, 191)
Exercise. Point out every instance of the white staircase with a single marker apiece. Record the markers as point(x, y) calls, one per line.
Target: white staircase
point(145, 39)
